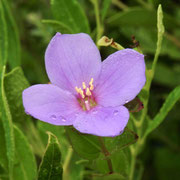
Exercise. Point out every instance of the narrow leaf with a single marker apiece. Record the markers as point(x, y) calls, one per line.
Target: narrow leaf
point(13, 56)
point(160, 28)
point(105, 6)
point(3, 38)
point(7, 125)
point(3, 156)
point(25, 164)
point(51, 168)
point(172, 98)
point(71, 14)
point(136, 17)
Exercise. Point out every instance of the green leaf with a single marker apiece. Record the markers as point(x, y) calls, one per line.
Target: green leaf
point(133, 17)
point(58, 26)
point(172, 98)
point(58, 131)
point(7, 125)
point(105, 6)
point(77, 170)
point(137, 17)
point(87, 146)
point(71, 14)
point(14, 84)
point(160, 28)
point(13, 56)
point(25, 164)
point(3, 156)
point(122, 141)
point(51, 168)
point(119, 163)
point(3, 38)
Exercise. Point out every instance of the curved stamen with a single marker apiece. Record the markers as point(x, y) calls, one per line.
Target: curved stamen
point(85, 96)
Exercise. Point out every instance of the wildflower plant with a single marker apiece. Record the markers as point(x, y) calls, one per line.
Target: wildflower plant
point(84, 92)
point(90, 119)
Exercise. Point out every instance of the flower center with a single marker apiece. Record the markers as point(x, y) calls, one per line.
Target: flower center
point(85, 96)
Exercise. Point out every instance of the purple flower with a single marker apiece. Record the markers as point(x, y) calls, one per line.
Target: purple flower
point(85, 92)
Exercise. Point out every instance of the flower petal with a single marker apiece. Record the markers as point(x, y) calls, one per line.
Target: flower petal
point(121, 79)
point(72, 59)
point(50, 104)
point(102, 121)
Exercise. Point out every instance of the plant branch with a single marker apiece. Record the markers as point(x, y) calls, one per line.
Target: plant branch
point(106, 154)
point(120, 5)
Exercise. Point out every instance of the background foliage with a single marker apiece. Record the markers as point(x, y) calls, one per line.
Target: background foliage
point(148, 149)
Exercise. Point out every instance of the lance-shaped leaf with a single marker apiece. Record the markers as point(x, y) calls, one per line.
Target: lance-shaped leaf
point(7, 125)
point(173, 97)
point(105, 6)
point(71, 14)
point(51, 168)
point(25, 163)
point(87, 146)
point(13, 57)
point(137, 17)
point(3, 38)
point(3, 157)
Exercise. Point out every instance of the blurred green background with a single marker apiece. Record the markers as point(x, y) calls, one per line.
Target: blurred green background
point(124, 19)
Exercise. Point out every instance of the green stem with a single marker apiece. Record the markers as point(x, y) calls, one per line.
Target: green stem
point(66, 163)
point(146, 5)
point(98, 21)
point(150, 74)
point(106, 154)
point(172, 38)
point(133, 162)
point(120, 5)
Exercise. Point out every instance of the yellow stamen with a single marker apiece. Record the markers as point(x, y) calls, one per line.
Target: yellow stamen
point(84, 85)
point(88, 92)
point(91, 84)
point(77, 89)
point(81, 93)
point(91, 87)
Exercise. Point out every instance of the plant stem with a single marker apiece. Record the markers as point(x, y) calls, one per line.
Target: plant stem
point(98, 21)
point(106, 154)
point(66, 163)
point(173, 39)
point(133, 162)
point(135, 150)
point(145, 4)
point(120, 5)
